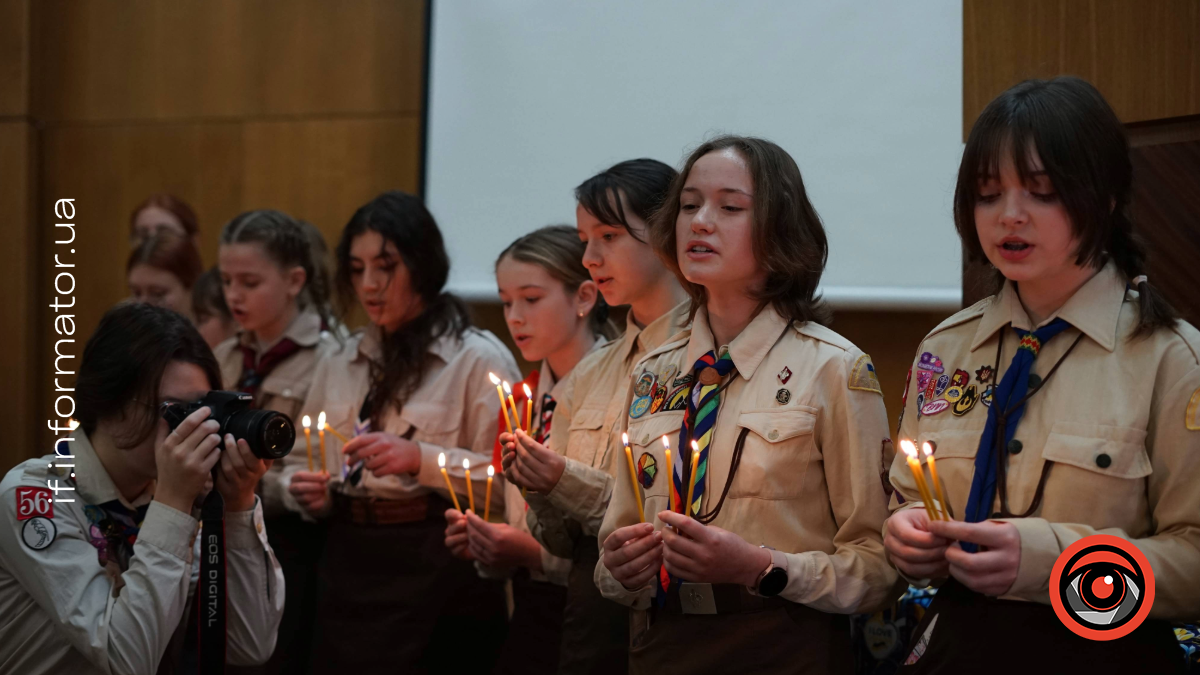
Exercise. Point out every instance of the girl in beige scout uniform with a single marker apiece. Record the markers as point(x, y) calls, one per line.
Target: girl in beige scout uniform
point(1074, 411)
point(100, 580)
point(411, 386)
point(555, 316)
point(570, 482)
point(781, 538)
point(274, 291)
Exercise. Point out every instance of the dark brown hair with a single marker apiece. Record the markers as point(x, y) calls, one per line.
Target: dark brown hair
point(403, 220)
point(208, 299)
point(558, 250)
point(168, 252)
point(176, 206)
point(789, 240)
point(1085, 153)
point(642, 182)
point(124, 362)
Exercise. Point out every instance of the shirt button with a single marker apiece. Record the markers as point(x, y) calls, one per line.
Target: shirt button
point(773, 435)
point(287, 393)
point(1034, 381)
point(1103, 460)
point(1015, 447)
point(646, 439)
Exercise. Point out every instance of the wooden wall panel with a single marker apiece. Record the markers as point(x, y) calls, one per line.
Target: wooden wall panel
point(106, 60)
point(14, 58)
point(1143, 56)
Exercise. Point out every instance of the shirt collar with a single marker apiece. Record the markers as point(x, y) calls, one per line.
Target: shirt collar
point(92, 482)
point(304, 330)
point(1095, 309)
point(642, 340)
point(748, 349)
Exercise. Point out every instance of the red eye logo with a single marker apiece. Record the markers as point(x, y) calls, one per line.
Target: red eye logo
point(1102, 587)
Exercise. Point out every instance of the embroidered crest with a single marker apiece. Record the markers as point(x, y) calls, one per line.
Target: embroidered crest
point(647, 470)
point(785, 375)
point(862, 376)
point(930, 362)
point(960, 378)
point(644, 384)
point(783, 396)
point(683, 381)
point(923, 379)
point(639, 406)
point(967, 401)
point(986, 397)
point(920, 403)
point(677, 399)
point(33, 502)
point(931, 388)
point(935, 407)
point(660, 396)
point(984, 374)
point(38, 533)
point(1192, 419)
point(668, 374)
point(942, 383)
point(953, 394)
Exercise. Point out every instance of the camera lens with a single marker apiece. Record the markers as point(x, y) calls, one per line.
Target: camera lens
point(270, 434)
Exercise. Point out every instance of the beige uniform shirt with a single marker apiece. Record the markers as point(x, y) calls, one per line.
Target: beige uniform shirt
point(1120, 420)
point(58, 610)
point(284, 389)
point(809, 480)
point(453, 411)
point(587, 421)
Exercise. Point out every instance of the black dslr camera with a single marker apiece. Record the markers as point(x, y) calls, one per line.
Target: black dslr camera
point(269, 433)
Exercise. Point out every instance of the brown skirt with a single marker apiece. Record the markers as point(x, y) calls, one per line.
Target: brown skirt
point(595, 632)
point(784, 638)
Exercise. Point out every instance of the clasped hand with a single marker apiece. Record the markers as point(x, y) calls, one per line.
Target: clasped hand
point(924, 549)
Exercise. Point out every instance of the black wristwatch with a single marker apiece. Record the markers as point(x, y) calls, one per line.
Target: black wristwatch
point(774, 579)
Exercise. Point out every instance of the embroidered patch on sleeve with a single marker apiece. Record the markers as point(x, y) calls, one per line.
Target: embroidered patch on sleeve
point(863, 378)
point(33, 502)
point(1192, 419)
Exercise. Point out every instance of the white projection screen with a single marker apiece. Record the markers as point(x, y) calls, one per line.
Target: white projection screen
point(527, 98)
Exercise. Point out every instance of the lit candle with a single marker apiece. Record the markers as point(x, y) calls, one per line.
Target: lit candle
point(918, 473)
point(637, 496)
point(73, 423)
point(449, 485)
point(937, 485)
point(330, 429)
point(687, 506)
point(470, 491)
point(500, 392)
point(308, 440)
point(512, 404)
point(528, 409)
point(670, 475)
point(321, 437)
point(487, 507)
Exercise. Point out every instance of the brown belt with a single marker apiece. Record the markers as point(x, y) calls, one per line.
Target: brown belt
point(689, 598)
point(375, 511)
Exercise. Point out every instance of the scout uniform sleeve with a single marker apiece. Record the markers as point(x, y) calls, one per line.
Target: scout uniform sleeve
point(582, 492)
point(556, 532)
point(127, 634)
point(479, 414)
point(622, 511)
point(1173, 491)
point(255, 588)
point(856, 577)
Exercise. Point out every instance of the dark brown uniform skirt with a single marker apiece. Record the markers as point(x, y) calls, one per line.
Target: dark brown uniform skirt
point(535, 630)
point(976, 633)
point(392, 599)
point(782, 637)
point(595, 630)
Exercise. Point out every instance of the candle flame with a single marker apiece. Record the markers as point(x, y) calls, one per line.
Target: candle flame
point(467, 464)
point(928, 448)
point(73, 423)
point(442, 460)
point(624, 438)
point(491, 471)
point(695, 447)
point(908, 448)
point(321, 420)
point(528, 392)
point(666, 442)
point(306, 421)
point(495, 380)
point(507, 389)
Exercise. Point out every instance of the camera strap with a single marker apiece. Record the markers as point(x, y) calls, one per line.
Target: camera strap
point(211, 600)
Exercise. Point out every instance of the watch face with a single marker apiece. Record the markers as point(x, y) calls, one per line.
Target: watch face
point(773, 583)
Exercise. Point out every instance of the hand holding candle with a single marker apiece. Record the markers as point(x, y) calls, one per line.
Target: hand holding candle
point(500, 392)
point(307, 421)
point(937, 485)
point(449, 485)
point(918, 473)
point(637, 495)
point(687, 506)
point(470, 492)
point(528, 410)
point(487, 505)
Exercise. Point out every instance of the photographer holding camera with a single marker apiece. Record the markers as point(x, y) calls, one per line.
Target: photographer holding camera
point(102, 584)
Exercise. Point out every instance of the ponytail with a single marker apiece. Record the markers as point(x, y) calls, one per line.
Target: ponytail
point(1129, 254)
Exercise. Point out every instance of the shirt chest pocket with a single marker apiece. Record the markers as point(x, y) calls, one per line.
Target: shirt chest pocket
point(778, 450)
point(586, 435)
point(285, 395)
point(430, 421)
point(645, 439)
point(1098, 472)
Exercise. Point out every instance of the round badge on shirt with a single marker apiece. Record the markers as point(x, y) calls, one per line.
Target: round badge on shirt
point(38, 533)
